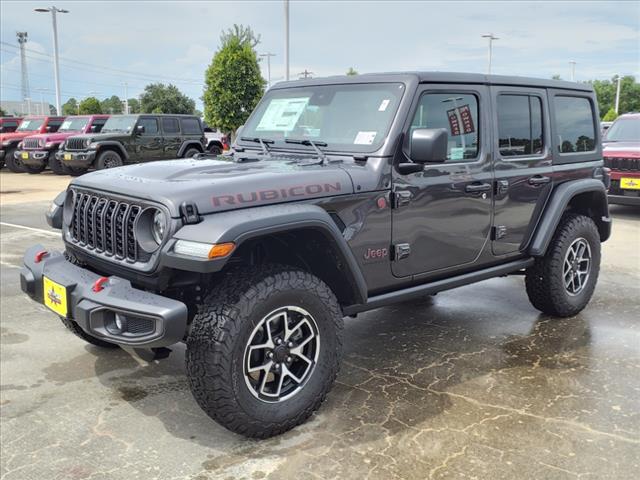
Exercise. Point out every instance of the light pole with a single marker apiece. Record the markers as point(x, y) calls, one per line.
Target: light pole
point(618, 93)
point(286, 39)
point(573, 70)
point(126, 99)
point(268, 55)
point(491, 38)
point(54, 10)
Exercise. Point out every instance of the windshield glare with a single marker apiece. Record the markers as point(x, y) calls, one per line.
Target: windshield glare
point(30, 125)
point(75, 124)
point(119, 124)
point(624, 130)
point(352, 117)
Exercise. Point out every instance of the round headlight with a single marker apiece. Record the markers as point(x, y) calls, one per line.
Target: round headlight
point(87, 142)
point(158, 226)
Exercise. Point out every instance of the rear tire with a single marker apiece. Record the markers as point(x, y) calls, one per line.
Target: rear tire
point(108, 159)
point(239, 323)
point(562, 282)
point(191, 152)
point(78, 332)
point(13, 164)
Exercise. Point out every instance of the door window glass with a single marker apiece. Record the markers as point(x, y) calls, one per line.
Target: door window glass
point(458, 114)
point(574, 122)
point(519, 125)
point(150, 126)
point(170, 125)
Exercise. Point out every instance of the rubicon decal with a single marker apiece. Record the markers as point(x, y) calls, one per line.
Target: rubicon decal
point(272, 195)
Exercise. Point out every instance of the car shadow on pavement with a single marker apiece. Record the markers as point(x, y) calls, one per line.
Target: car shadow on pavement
point(398, 370)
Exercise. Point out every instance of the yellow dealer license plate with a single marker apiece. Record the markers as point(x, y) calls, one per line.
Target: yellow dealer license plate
point(67, 156)
point(55, 296)
point(630, 183)
point(25, 155)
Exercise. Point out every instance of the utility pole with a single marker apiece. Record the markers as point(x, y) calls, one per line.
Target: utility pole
point(491, 38)
point(306, 74)
point(56, 67)
point(268, 55)
point(286, 39)
point(22, 39)
point(573, 70)
point(126, 99)
point(618, 93)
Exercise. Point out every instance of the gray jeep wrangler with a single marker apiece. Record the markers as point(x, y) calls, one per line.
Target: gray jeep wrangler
point(341, 195)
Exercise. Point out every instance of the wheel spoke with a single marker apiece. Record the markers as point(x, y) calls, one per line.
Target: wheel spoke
point(264, 367)
point(302, 322)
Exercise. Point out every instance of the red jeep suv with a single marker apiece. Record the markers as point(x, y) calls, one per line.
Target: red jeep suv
point(29, 126)
point(622, 155)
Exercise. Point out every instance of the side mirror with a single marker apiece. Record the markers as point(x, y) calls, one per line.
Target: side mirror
point(140, 129)
point(428, 145)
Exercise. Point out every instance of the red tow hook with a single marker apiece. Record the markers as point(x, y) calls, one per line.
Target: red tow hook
point(40, 255)
point(98, 285)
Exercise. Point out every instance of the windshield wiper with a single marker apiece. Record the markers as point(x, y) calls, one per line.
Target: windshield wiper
point(310, 143)
point(262, 141)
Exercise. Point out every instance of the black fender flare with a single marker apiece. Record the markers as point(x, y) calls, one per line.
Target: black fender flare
point(189, 143)
point(239, 226)
point(557, 205)
point(112, 143)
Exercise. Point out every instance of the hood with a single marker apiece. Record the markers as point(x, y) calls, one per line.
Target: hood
point(219, 185)
point(54, 137)
point(621, 149)
point(15, 136)
point(96, 137)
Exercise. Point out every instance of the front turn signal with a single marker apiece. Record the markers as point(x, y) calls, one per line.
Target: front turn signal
point(221, 250)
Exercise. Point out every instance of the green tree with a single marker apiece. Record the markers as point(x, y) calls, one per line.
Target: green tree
point(556, 77)
point(70, 107)
point(134, 105)
point(610, 116)
point(233, 82)
point(160, 98)
point(90, 106)
point(352, 71)
point(606, 94)
point(112, 105)
point(2, 113)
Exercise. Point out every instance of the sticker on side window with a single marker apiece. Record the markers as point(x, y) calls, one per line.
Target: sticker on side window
point(364, 138)
point(457, 153)
point(383, 106)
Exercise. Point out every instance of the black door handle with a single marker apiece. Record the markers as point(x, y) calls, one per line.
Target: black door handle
point(539, 180)
point(477, 187)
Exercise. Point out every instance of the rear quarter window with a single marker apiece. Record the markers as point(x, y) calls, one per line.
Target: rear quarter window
point(575, 129)
point(191, 126)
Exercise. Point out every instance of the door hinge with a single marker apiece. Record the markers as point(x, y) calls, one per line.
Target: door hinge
point(498, 231)
point(502, 187)
point(401, 198)
point(401, 250)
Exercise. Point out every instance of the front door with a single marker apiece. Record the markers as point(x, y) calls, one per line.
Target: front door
point(442, 215)
point(149, 145)
point(523, 164)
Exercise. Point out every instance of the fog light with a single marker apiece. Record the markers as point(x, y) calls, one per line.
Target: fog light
point(117, 324)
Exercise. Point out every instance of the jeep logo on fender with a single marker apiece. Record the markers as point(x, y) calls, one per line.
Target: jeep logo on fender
point(275, 195)
point(373, 254)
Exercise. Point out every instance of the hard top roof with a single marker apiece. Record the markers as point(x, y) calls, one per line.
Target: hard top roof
point(440, 77)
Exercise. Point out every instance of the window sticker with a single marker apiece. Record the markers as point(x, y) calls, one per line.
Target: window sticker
point(25, 123)
point(282, 114)
point(365, 138)
point(457, 153)
point(65, 125)
point(383, 106)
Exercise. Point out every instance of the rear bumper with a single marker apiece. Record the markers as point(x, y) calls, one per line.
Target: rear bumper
point(76, 159)
point(34, 158)
point(148, 320)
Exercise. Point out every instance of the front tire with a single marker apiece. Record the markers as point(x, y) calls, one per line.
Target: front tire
point(108, 159)
point(562, 282)
point(13, 164)
point(55, 165)
point(246, 369)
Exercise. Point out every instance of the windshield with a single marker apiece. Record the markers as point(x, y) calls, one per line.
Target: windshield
point(30, 125)
point(122, 123)
point(624, 130)
point(354, 117)
point(75, 124)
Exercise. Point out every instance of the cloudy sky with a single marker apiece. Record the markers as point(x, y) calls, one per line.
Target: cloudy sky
point(104, 44)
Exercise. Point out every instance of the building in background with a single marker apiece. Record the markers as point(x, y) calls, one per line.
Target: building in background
point(27, 107)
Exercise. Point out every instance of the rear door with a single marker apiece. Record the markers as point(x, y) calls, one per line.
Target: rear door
point(523, 164)
point(442, 215)
point(149, 143)
point(171, 136)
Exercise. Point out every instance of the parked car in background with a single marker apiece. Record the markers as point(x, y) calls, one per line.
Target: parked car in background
point(29, 126)
point(133, 139)
point(9, 124)
point(622, 155)
point(216, 141)
point(604, 126)
point(38, 151)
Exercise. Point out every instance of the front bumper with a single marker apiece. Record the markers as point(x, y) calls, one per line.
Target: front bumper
point(623, 200)
point(82, 158)
point(149, 320)
point(34, 158)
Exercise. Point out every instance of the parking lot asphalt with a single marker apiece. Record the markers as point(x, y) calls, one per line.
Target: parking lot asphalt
point(471, 383)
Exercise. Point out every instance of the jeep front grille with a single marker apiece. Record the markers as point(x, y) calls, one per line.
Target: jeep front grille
point(106, 226)
point(31, 144)
point(74, 144)
point(622, 164)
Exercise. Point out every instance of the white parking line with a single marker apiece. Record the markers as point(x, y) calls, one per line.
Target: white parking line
point(39, 230)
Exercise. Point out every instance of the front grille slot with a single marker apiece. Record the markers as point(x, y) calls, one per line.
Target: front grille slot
point(106, 226)
point(31, 143)
point(622, 164)
point(74, 144)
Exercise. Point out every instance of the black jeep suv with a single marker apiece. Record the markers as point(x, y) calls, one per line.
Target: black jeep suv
point(342, 195)
point(133, 139)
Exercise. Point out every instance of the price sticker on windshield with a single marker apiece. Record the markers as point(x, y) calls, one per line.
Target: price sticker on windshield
point(365, 138)
point(282, 114)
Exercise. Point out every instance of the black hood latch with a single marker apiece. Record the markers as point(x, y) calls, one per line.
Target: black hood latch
point(189, 213)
